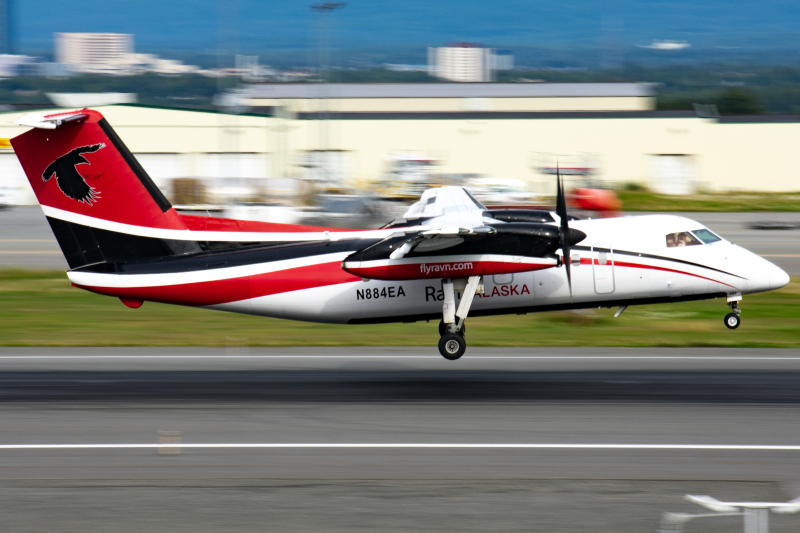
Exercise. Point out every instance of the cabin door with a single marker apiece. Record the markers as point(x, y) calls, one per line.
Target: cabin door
point(603, 268)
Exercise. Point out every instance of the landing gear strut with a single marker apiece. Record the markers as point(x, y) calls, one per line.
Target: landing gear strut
point(452, 328)
point(732, 320)
point(443, 329)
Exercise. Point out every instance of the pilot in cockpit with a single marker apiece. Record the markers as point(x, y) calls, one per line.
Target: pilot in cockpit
point(683, 238)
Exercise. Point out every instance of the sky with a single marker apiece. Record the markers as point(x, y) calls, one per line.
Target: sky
point(276, 24)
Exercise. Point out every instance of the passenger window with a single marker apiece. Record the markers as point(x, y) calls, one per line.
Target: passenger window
point(682, 238)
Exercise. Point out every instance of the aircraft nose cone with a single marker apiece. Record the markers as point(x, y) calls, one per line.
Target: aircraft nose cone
point(778, 278)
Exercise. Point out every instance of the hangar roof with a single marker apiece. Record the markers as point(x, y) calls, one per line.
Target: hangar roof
point(446, 90)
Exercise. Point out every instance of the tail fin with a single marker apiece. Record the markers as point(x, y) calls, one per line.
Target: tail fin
point(91, 189)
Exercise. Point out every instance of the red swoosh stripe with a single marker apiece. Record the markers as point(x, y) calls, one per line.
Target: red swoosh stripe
point(587, 261)
point(235, 289)
point(411, 271)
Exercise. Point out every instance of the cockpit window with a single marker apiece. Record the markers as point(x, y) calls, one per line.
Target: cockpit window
point(706, 236)
point(682, 238)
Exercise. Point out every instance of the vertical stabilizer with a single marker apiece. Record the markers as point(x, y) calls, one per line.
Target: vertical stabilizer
point(94, 193)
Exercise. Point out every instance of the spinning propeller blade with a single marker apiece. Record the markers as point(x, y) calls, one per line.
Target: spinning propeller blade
point(561, 211)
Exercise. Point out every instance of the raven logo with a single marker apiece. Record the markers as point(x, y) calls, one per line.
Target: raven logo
point(69, 179)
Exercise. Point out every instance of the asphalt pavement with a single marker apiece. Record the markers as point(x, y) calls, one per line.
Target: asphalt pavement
point(392, 439)
point(27, 242)
point(378, 374)
point(391, 413)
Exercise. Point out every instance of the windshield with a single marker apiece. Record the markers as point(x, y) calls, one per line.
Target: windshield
point(706, 236)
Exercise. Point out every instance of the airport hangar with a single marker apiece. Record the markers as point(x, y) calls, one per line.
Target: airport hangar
point(500, 130)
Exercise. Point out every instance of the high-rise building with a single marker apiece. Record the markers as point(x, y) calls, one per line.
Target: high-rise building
point(6, 27)
point(463, 62)
point(96, 53)
point(467, 62)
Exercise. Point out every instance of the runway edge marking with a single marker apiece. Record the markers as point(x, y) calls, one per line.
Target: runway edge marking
point(408, 445)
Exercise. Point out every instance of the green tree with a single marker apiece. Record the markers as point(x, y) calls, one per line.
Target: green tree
point(737, 101)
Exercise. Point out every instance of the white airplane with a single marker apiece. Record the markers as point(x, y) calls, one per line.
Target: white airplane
point(448, 258)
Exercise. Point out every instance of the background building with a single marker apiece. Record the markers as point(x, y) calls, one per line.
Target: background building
point(111, 53)
point(608, 133)
point(462, 62)
point(95, 53)
point(449, 97)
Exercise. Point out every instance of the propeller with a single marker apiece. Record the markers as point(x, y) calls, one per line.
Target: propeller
point(564, 231)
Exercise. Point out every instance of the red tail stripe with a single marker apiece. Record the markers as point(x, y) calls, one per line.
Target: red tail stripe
point(199, 223)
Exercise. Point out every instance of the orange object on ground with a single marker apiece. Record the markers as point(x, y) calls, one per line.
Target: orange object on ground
point(600, 200)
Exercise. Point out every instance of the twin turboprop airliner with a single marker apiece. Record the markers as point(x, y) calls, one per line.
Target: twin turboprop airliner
point(447, 258)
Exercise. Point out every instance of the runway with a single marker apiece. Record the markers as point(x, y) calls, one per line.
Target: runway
point(397, 439)
point(399, 374)
point(26, 240)
point(392, 413)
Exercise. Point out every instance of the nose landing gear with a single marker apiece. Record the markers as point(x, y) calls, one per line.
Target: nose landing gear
point(732, 320)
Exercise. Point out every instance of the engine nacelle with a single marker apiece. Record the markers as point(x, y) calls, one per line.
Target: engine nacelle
point(444, 267)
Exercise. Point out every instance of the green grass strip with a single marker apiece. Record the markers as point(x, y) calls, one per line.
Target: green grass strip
point(717, 202)
point(42, 309)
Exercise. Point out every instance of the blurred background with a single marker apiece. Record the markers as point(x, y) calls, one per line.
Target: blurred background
point(341, 114)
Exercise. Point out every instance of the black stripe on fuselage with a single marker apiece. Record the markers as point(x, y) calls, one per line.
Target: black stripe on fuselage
point(542, 308)
point(226, 259)
point(653, 256)
point(96, 250)
point(85, 245)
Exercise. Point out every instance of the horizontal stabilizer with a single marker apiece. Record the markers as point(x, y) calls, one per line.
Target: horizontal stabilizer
point(51, 121)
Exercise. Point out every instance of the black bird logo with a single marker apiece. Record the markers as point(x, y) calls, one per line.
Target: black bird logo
point(69, 179)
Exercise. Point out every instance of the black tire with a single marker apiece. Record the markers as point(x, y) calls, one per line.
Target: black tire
point(452, 346)
point(732, 321)
point(443, 329)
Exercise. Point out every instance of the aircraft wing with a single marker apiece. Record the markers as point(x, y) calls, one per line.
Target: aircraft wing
point(447, 207)
point(711, 503)
point(790, 507)
point(439, 239)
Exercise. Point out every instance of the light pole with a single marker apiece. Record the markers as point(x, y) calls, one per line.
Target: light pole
point(325, 11)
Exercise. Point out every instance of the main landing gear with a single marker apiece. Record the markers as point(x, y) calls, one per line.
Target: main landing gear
point(452, 328)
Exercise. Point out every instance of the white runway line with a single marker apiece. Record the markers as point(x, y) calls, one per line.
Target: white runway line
point(410, 445)
point(393, 356)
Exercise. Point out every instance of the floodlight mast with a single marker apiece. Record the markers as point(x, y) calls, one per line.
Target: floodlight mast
point(324, 69)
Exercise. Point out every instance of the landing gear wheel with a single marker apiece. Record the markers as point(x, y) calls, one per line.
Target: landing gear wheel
point(443, 329)
point(452, 346)
point(732, 321)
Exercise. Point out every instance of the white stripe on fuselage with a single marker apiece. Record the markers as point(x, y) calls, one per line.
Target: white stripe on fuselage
point(216, 236)
point(117, 281)
point(475, 258)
